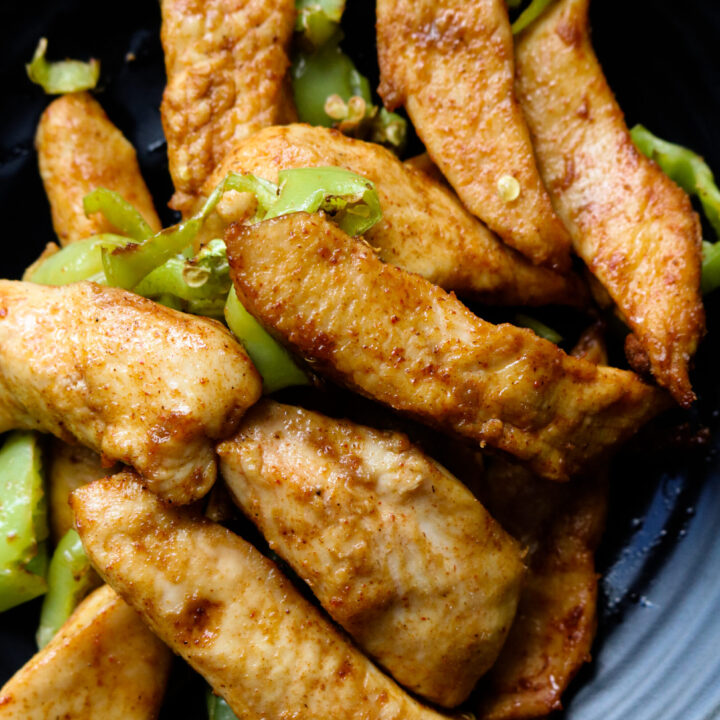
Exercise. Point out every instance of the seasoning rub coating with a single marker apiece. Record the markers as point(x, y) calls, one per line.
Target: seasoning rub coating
point(228, 611)
point(396, 549)
point(226, 62)
point(79, 150)
point(424, 228)
point(633, 227)
point(450, 62)
point(397, 338)
point(135, 381)
point(103, 663)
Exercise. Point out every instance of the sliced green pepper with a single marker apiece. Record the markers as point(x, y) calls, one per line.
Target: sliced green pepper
point(66, 76)
point(322, 74)
point(684, 167)
point(199, 285)
point(693, 175)
point(531, 13)
point(23, 520)
point(81, 260)
point(538, 328)
point(126, 266)
point(217, 708)
point(118, 212)
point(272, 360)
point(317, 20)
point(350, 199)
point(70, 579)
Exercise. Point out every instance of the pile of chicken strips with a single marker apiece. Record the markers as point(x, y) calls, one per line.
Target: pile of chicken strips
point(385, 587)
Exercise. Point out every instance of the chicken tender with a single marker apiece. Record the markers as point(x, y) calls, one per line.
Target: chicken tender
point(226, 62)
point(395, 337)
point(424, 228)
point(553, 631)
point(103, 663)
point(70, 467)
point(396, 549)
point(228, 611)
point(450, 62)
point(79, 150)
point(561, 525)
point(132, 380)
point(633, 227)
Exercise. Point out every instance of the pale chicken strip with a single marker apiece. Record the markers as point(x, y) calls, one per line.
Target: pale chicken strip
point(396, 549)
point(424, 228)
point(69, 467)
point(103, 663)
point(132, 380)
point(79, 150)
point(397, 338)
point(450, 62)
point(633, 227)
point(226, 63)
point(229, 612)
point(553, 631)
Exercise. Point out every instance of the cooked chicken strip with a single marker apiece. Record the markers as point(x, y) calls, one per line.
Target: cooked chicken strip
point(630, 223)
point(229, 612)
point(226, 62)
point(397, 338)
point(553, 631)
point(424, 228)
point(450, 62)
point(103, 663)
point(554, 628)
point(79, 150)
point(135, 381)
point(70, 466)
point(396, 549)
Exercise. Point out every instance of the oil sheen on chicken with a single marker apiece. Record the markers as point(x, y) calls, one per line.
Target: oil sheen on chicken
point(397, 338)
point(633, 227)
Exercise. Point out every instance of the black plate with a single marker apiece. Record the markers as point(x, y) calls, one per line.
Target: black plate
point(657, 654)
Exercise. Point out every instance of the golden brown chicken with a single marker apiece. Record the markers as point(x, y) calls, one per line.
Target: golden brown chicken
point(633, 227)
point(79, 150)
point(229, 612)
point(226, 62)
point(135, 381)
point(397, 338)
point(555, 625)
point(424, 228)
point(103, 663)
point(553, 631)
point(450, 62)
point(396, 549)
point(69, 467)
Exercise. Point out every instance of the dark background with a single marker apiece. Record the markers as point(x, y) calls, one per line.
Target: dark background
point(658, 649)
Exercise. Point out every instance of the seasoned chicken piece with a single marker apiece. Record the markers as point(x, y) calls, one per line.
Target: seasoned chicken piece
point(450, 62)
point(70, 466)
point(553, 631)
point(226, 62)
point(103, 663)
point(629, 222)
point(396, 549)
point(79, 150)
point(135, 381)
point(228, 611)
point(555, 625)
point(424, 228)
point(395, 337)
